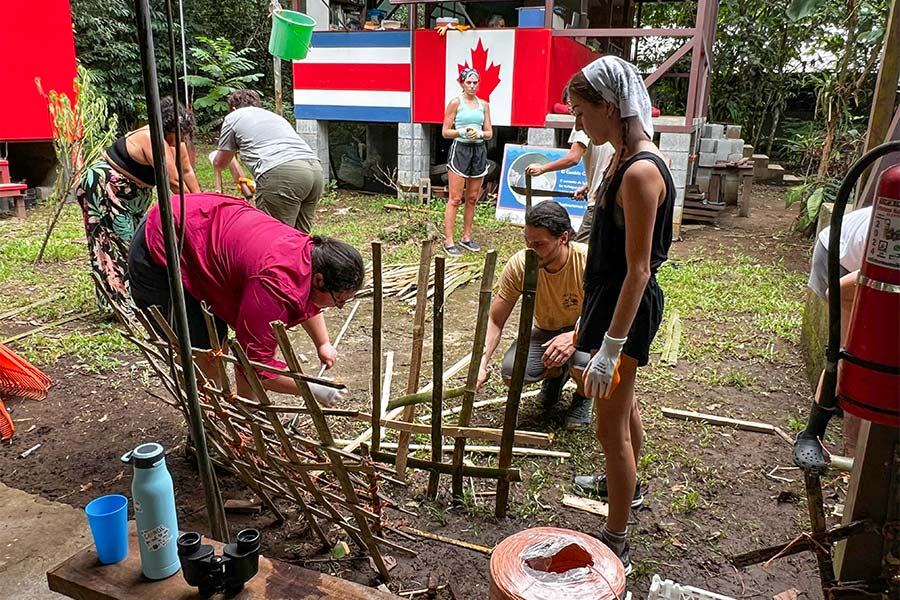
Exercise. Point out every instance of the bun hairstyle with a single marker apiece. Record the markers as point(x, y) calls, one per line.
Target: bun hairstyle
point(468, 71)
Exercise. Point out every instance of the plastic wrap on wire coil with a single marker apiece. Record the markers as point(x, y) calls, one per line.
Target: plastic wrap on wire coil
point(548, 563)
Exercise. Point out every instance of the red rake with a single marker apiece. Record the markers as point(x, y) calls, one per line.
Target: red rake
point(20, 379)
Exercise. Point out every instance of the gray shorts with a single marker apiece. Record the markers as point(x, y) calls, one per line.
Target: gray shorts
point(818, 270)
point(534, 368)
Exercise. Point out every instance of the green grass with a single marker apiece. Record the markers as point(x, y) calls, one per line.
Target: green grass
point(685, 501)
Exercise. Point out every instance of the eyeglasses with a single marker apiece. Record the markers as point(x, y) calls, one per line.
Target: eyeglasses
point(338, 303)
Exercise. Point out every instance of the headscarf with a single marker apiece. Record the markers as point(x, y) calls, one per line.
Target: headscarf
point(466, 72)
point(620, 84)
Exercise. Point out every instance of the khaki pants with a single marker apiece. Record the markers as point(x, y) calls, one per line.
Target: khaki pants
point(584, 232)
point(290, 192)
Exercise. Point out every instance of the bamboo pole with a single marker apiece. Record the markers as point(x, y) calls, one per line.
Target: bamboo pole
point(535, 438)
point(511, 416)
point(437, 368)
point(479, 404)
point(478, 449)
point(420, 397)
point(415, 359)
point(465, 413)
point(340, 335)
point(509, 474)
point(21, 309)
point(377, 315)
point(47, 326)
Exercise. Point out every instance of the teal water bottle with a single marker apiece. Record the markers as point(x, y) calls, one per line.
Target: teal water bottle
point(153, 498)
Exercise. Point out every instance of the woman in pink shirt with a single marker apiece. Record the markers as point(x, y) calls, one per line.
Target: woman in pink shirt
point(250, 269)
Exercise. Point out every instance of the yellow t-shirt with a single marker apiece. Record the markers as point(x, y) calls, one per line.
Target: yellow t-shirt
point(559, 295)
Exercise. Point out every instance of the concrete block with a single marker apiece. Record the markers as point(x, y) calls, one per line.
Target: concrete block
point(680, 178)
point(315, 133)
point(735, 157)
point(405, 129)
point(707, 159)
point(679, 197)
point(776, 174)
point(736, 147)
point(679, 160)
point(307, 125)
point(747, 151)
point(760, 167)
point(713, 130)
point(722, 152)
point(733, 132)
point(708, 145)
point(677, 142)
point(542, 136)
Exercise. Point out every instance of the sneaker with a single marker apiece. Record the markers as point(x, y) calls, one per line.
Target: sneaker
point(551, 389)
point(625, 557)
point(453, 250)
point(579, 414)
point(470, 245)
point(595, 485)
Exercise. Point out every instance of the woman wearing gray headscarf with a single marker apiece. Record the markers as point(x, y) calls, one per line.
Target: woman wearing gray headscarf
point(623, 304)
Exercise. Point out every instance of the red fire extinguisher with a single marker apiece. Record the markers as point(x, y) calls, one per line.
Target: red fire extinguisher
point(869, 369)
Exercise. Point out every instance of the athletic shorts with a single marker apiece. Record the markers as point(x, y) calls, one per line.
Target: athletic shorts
point(468, 160)
point(597, 312)
point(150, 287)
point(818, 270)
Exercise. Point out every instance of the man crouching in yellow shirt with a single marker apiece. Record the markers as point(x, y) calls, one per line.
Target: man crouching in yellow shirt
point(560, 291)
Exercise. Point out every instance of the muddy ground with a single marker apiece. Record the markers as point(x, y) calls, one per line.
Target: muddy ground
point(708, 495)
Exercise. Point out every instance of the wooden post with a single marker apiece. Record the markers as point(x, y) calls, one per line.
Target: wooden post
point(511, 416)
point(873, 494)
point(746, 191)
point(415, 358)
point(817, 521)
point(715, 186)
point(437, 370)
point(377, 315)
point(465, 414)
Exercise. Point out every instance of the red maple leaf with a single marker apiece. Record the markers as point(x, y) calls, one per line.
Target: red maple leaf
point(490, 76)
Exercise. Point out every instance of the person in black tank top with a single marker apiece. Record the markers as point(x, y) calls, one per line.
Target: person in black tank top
point(623, 304)
point(115, 193)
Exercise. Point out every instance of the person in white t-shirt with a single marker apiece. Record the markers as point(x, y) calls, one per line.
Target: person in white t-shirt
point(596, 160)
point(854, 231)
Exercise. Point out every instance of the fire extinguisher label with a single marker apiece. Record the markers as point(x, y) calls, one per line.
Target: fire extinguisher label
point(884, 239)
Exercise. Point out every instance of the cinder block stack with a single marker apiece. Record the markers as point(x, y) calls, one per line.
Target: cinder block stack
point(720, 143)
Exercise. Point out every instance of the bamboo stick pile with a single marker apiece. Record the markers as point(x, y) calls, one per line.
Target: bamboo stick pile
point(401, 281)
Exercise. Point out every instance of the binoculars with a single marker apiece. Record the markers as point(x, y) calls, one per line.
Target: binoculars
point(212, 574)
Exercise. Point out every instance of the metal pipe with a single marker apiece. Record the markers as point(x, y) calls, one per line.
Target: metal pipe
point(214, 507)
point(833, 351)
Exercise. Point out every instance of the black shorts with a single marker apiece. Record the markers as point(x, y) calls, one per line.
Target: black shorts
point(468, 160)
point(150, 287)
point(596, 315)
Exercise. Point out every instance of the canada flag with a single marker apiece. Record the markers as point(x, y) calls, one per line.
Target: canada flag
point(513, 65)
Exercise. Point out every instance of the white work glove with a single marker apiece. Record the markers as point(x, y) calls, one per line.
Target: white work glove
point(601, 369)
point(212, 156)
point(474, 134)
point(329, 397)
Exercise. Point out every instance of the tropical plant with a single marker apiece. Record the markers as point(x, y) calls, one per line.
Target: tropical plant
point(224, 71)
point(81, 132)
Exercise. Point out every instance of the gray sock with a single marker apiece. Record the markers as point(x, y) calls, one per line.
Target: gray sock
point(616, 541)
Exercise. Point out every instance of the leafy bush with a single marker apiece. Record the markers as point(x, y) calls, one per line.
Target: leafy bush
point(225, 70)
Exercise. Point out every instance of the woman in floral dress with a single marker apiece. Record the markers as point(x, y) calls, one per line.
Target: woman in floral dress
point(116, 192)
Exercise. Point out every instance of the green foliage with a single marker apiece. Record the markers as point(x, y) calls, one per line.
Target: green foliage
point(224, 71)
point(106, 43)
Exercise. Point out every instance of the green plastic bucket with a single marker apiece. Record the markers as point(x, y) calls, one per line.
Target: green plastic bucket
point(291, 33)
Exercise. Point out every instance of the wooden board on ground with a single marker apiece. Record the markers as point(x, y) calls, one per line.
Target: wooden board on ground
point(586, 504)
point(687, 415)
point(84, 578)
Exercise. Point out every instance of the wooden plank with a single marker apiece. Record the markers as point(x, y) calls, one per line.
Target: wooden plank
point(586, 504)
point(84, 578)
point(746, 194)
point(687, 415)
point(715, 187)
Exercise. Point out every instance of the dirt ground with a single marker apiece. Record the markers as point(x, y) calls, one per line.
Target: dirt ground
point(708, 495)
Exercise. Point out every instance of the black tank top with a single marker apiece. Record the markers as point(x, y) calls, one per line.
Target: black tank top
point(118, 154)
point(606, 262)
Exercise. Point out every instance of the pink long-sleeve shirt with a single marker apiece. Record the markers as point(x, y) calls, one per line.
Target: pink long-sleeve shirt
point(249, 268)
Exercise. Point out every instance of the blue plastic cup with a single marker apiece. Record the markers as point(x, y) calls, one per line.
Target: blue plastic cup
point(108, 518)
